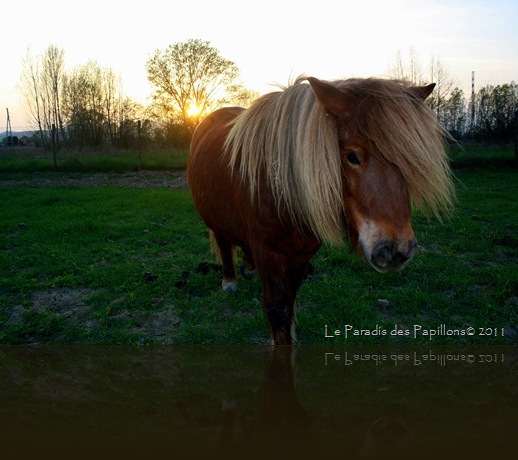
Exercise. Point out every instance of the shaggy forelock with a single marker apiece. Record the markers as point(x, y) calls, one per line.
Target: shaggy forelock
point(287, 136)
point(403, 131)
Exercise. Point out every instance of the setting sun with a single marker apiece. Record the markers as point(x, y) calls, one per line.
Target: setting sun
point(193, 111)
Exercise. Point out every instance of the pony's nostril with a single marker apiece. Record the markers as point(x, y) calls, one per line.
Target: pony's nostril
point(388, 256)
point(383, 254)
point(400, 259)
point(384, 257)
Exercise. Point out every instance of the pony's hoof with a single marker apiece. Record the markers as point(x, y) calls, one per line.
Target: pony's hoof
point(247, 273)
point(229, 286)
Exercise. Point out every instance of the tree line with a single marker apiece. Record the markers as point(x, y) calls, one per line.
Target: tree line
point(487, 115)
point(87, 107)
point(84, 107)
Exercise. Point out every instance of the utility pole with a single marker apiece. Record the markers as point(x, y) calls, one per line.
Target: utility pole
point(8, 131)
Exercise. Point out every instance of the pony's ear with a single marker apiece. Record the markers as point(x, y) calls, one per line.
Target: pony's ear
point(336, 101)
point(422, 92)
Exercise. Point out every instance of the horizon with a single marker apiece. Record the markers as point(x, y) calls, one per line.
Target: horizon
point(272, 43)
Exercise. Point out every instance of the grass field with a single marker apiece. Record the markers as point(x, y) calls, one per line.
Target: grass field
point(30, 160)
point(120, 265)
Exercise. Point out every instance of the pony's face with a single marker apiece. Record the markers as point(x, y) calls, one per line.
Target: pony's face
point(377, 207)
point(375, 194)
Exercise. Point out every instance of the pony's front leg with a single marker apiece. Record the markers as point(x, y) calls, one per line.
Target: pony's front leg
point(278, 300)
point(282, 269)
point(280, 311)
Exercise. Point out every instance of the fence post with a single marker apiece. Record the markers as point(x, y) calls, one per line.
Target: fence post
point(139, 145)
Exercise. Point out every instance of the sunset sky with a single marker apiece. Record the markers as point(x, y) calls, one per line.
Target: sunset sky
point(270, 41)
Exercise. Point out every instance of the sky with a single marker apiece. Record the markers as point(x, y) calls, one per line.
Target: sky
point(270, 41)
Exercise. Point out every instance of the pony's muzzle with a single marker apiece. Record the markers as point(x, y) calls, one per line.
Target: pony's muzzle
point(389, 255)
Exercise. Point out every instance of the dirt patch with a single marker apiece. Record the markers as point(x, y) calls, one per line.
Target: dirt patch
point(143, 179)
point(71, 305)
point(158, 324)
point(66, 303)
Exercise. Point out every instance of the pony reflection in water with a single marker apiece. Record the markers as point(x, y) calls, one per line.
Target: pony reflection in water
point(309, 165)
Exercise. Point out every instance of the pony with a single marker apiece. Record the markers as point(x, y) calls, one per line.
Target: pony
point(311, 164)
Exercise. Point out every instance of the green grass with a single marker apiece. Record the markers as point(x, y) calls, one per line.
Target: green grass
point(134, 252)
point(28, 160)
point(482, 157)
point(37, 160)
point(115, 265)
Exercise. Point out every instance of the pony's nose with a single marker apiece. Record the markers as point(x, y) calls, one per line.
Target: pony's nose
point(389, 255)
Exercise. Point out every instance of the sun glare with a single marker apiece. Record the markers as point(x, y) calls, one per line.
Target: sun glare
point(193, 111)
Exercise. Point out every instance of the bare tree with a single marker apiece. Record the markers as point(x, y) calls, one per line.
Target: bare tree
point(408, 69)
point(411, 69)
point(191, 79)
point(441, 76)
point(30, 90)
point(41, 83)
point(85, 107)
point(53, 74)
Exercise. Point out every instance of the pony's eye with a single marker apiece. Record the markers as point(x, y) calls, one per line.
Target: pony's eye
point(352, 158)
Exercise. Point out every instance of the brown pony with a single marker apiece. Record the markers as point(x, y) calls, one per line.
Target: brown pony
point(310, 164)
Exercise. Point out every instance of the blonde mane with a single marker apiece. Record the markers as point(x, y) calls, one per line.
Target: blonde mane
point(287, 137)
